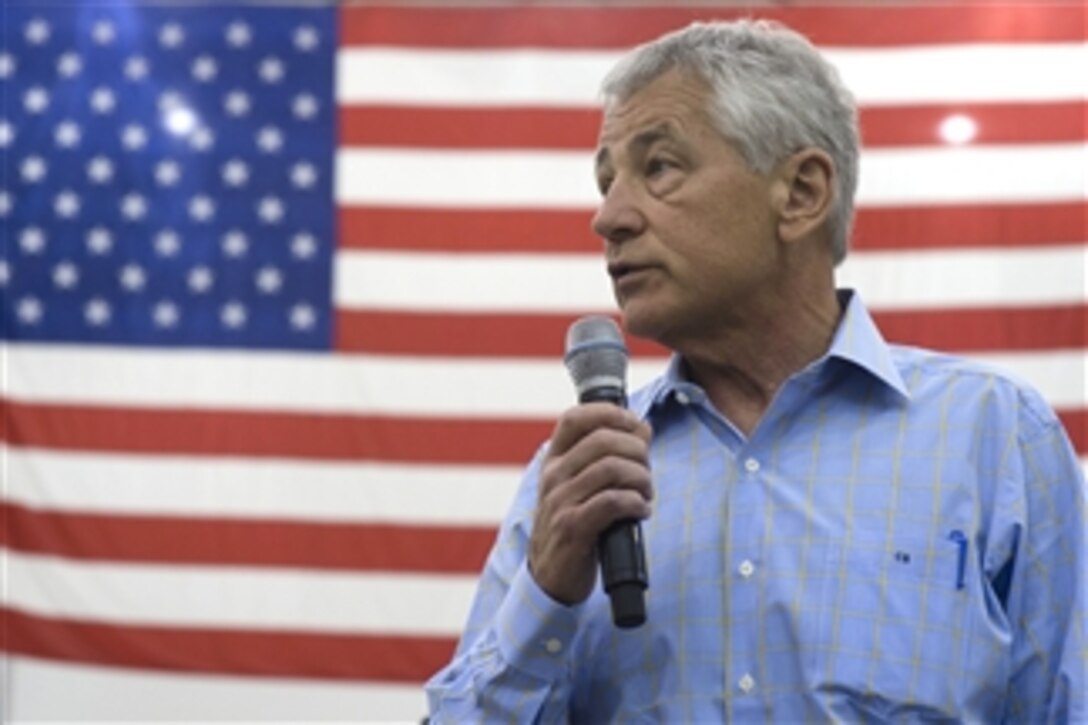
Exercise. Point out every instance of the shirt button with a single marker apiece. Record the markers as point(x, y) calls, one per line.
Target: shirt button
point(746, 568)
point(746, 684)
point(682, 397)
point(751, 465)
point(553, 646)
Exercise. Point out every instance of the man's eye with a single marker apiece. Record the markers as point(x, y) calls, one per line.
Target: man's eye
point(604, 183)
point(656, 166)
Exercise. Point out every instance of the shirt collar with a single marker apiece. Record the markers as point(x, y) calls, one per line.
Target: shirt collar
point(857, 341)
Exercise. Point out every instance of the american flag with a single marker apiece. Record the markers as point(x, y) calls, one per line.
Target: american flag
point(284, 293)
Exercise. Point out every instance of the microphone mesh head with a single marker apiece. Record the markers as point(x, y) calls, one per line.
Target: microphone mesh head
point(596, 356)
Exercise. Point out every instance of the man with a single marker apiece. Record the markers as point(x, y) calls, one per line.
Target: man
point(836, 528)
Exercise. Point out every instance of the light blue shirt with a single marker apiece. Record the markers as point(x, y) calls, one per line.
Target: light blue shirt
point(902, 538)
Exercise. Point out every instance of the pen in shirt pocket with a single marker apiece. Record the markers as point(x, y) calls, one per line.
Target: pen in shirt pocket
point(958, 538)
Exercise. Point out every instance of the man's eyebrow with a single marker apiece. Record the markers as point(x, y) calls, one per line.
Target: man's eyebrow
point(641, 141)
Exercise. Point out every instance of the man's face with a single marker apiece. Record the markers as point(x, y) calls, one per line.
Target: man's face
point(689, 231)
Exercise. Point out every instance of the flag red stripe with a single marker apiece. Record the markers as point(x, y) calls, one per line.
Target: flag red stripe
point(597, 27)
point(560, 231)
point(541, 335)
point(218, 541)
point(275, 434)
point(998, 123)
point(1075, 423)
point(988, 329)
point(211, 433)
point(555, 128)
point(235, 652)
point(477, 127)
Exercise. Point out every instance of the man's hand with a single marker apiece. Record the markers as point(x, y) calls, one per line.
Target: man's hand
point(596, 471)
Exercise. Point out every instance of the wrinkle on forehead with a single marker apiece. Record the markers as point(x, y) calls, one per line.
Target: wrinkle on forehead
point(661, 109)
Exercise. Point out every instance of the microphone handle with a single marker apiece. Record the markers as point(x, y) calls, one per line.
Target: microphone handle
point(620, 547)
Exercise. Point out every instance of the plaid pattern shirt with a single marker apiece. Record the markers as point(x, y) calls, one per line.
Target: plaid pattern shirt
point(901, 538)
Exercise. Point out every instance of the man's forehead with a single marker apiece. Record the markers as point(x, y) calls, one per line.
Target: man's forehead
point(662, 109)
point(637, 138)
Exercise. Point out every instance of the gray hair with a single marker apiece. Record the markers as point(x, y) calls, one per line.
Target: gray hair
point(774, 94)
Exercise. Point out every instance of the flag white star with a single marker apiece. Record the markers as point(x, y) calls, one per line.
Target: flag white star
point(304, 175)
point(69, 65)
point(7, 133)
point(5, 273)
point(6, 203)
point(270, 209)
point(269, 280)
point(32, 240)
point(65, 275)
point(137, 68)
point(7, 65)
point(132, 277)
point(202, 139)
point(36, 99)
point(165, 314)
point(167, 172)
point(233, 315)
point(134, 137)
point(235, 244)
point(167, 243)
point(205, 69)
point(304, 106)
point(37, 32)
point(171, 101)
point(99, 241)
point(235, 173)
point(303, 245)
point(200, 280)
point(66, 205)
point(307, 38)
point(201, 208)
point(239, 34)
point(97, 312)
point(103, 32)
point(133, 206)
point(302, 317)
point(29, 310)
point(270, 139)
point(271, 70)
point(33, 169)
point(67, 134)
point(171, 35)
point(237, 103)
point(100, 169)
point(103, 100)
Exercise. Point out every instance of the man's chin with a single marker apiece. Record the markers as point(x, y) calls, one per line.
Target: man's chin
point(641, 322)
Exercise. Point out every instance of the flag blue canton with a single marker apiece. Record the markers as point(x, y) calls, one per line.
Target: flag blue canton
point(167, 174)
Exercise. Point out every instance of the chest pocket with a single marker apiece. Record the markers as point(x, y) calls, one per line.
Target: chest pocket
point(891, 632)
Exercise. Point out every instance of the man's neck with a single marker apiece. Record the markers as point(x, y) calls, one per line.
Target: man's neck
point(742, 369)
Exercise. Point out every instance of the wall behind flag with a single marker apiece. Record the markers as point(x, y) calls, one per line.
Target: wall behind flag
point(284, 292)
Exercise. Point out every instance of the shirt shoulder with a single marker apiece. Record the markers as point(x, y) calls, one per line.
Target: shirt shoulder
point(933, 376)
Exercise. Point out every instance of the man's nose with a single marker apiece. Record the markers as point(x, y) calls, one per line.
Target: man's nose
point(618, 217)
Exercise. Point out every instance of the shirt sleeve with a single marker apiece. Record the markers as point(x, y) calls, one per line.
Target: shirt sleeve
point(1047, 605)
point(513, 661)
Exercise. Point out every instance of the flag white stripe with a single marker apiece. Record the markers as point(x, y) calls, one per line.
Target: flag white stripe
point(32, 686)
point(564, 179)
point(242, 488)
point(568, 78)
point(447, 387)
point(934, 279)
point(576, 283)
point(236, 597)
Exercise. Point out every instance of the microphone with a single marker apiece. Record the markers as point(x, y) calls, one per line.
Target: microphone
point(596, 359)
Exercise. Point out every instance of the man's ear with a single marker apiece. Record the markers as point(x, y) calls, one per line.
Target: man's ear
point(805, 193)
